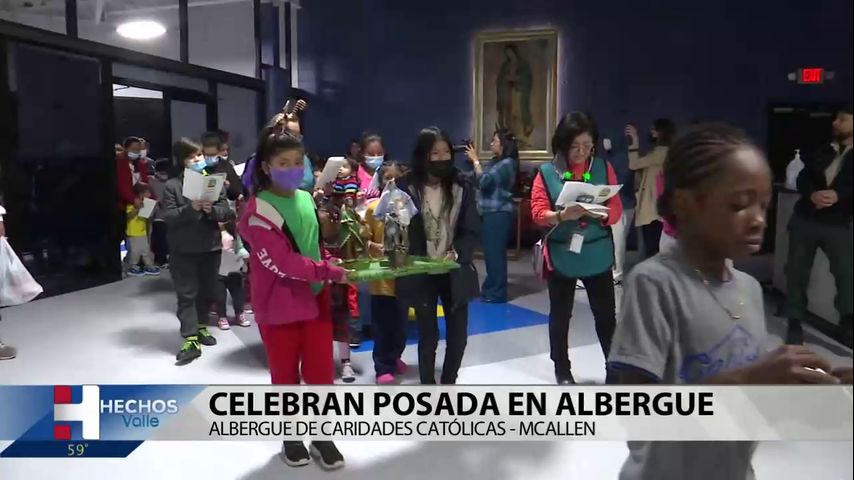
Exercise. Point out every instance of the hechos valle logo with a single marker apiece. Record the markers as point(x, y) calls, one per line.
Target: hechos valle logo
point(87, 412)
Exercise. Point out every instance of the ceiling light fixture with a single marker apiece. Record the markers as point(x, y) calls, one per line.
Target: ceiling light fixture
point(141, 30)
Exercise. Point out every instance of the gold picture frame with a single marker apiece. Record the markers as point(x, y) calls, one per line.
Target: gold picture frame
point(515, 86)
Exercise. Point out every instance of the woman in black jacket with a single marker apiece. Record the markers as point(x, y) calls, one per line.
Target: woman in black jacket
point(447, 226)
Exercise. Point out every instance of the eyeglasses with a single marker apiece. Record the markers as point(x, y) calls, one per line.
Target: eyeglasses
point(586, 147)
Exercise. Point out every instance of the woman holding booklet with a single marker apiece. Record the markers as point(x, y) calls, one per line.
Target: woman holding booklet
point(578, 245)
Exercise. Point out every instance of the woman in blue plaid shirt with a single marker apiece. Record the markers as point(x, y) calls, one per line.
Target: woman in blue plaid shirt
point(496, 182)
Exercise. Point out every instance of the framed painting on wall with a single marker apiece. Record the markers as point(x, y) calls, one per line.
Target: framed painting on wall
point(515, 87)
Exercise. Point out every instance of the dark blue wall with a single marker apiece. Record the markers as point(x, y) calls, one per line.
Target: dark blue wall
point(396, 66)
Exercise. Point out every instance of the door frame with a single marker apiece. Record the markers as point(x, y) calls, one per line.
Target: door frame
point(173, 93)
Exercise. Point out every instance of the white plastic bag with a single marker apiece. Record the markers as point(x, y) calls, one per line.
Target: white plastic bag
point(395, 199)
point(793, 169)
point(17, 286)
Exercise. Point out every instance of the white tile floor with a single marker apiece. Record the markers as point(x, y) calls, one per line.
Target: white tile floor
point(127, 333)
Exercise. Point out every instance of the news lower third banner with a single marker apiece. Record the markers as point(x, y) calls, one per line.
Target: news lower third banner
point(113, 420)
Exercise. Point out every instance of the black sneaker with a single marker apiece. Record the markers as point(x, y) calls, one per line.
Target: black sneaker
point(294, 454)
point(564, 378)
point(327, 454)
point(7, 352)
point(355, 339)
point(205, 337)
point(190, 350)
point(794, 333)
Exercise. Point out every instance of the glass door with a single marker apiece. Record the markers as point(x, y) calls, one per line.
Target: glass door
point(58, 185)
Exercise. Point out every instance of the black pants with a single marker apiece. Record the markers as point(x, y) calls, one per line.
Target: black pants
point(195, 278)
point(388, 322)
point(651, 236)
point(805, 238)
point(456, 326)
point(233, 284)
point(159, 244)
point(600, 292)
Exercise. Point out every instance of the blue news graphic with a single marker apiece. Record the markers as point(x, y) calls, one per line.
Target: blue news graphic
point(86, 420)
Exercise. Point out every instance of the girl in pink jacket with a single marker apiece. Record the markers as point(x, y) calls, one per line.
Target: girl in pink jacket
point(289, 276)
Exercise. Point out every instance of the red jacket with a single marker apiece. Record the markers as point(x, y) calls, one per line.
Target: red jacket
point(281, 278)
point(124, 179)
point(541, 202)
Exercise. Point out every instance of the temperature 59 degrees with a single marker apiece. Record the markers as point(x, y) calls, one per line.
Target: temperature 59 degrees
point(76, 449)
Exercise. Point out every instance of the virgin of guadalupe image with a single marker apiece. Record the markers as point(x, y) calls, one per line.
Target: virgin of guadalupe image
point(513, 95)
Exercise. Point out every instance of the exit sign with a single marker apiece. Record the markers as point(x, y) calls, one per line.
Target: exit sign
point(812, 75)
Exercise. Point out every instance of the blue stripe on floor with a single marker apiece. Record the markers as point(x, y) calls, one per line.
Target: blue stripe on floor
point(483, 318)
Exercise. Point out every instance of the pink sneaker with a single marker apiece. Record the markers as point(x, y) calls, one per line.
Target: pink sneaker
point(223, 323)
point(243, 320)
point(385, 379)
point(400, 367)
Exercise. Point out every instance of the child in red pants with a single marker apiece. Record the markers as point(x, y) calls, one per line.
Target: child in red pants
point(290, 276)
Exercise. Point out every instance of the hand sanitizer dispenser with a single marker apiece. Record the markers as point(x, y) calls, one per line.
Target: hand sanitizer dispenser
point(793, 169)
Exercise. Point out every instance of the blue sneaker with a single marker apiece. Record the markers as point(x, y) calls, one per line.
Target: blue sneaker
point(153, 271)
point(135, 271)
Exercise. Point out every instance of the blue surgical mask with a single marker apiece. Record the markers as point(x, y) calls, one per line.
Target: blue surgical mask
point(198, 167)
point(133, 155)
point(374, 162)
point(211, 160)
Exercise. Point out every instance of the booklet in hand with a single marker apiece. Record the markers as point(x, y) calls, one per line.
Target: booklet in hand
point(590, 196)
point(147, 209)
point(330, 171)
point(204, 188)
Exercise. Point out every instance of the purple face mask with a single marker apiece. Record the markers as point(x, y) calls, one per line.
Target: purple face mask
point(287, 178)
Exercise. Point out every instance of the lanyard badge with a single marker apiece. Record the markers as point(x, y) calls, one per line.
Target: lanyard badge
point(576, 241)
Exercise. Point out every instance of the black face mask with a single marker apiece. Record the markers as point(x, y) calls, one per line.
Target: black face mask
point(440, 168)
point(652, 139)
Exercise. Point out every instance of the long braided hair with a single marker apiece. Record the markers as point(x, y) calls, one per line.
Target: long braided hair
point(697, 158)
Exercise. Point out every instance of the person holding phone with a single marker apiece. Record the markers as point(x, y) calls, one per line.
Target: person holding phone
point(579, 245)
point(495, 188)
point(649, 166)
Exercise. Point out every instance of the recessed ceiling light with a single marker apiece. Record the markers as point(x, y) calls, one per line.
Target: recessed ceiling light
point(141, 30)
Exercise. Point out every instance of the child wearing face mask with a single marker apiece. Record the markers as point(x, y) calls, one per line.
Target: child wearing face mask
point(388, 316)
point(290, 274)
point(195, 245)
point(130, 169)
point(373, 156)
point(447, 226)
point(212, 147)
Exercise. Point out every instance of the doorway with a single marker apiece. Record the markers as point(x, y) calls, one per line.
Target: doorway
point(161, 114)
